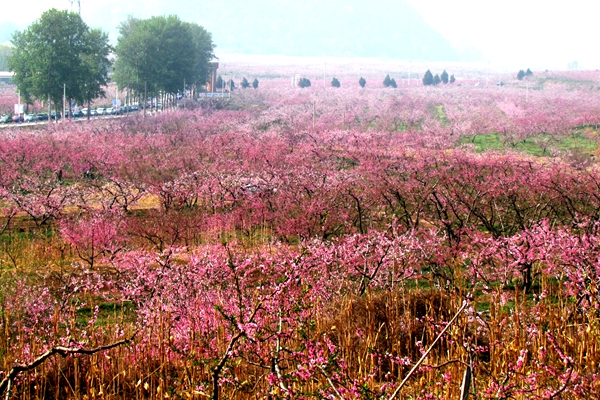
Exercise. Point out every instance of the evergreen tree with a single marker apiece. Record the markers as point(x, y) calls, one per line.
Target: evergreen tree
point(393, 83)
point(444, 77)
point(521, 75)
point(245, 84)
point(428, 78)
point(362, 82)
point(436, 80)
point(387, 81)
point(304, 82)
point(335, 82)
point(255, 83)
point(528, 72)
point(452, 78)
point(219, 82)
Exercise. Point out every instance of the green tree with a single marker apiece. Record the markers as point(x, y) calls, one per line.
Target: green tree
point(335, 83)
point(444, 77)
point(219, 82)
point(521, 75)
point(203, 51)
point(387, 82)
point(528, 72)
point(393, 83)
point(452, 78)
point(59, 50)
point(96, 65)
point(428, 78)
point(161, 53)
point(255, 83)
point(5, 52)
point(436, 80)
point(245, 84)
point(362, 82)
point(304, 82)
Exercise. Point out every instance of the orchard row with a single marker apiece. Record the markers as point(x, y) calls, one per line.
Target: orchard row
point(305, 245)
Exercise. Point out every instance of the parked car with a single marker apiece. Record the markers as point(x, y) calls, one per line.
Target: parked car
point(54, 115)
point(101, 111)
point(78, 113)
point(94, 113)
point(5, 119)
point(42, 117)
point(109, 111)
point(17, 118)
point(31, 118)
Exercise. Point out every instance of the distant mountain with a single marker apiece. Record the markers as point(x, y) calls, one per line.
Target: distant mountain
point(6, 31)
point(348, 28)
point(342, 28)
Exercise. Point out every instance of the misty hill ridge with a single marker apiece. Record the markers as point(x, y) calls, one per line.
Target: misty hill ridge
point(376, 28)
point(334, 28)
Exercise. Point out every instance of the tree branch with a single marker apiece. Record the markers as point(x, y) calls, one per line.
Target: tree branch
point(427, 352)
point(60, 350)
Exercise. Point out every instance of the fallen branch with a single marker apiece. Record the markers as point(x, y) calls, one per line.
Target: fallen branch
point(427, 352)
point(60, 350)
point(331, 383)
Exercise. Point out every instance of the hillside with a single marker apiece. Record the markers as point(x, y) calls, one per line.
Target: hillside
point(352, 28)
point(336, 28)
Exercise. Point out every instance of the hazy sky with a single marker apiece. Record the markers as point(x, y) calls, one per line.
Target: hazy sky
point(535, 33)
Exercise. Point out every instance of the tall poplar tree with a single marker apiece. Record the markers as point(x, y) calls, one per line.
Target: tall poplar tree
point(59, 51)
point(161, 53)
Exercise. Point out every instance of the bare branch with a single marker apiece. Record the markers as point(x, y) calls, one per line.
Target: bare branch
point(428, 350)
point(60, 350)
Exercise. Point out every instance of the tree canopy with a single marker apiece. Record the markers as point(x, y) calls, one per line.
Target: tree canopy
point(362, 82)
point(444, 77)
point(161, 53)
point(304, 82)
point(5, 52)
point(60, 50)
point(335, 82)
point(428, 78)
point(387, 81)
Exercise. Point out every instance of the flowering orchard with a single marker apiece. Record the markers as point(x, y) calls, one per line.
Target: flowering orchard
point(308, 243)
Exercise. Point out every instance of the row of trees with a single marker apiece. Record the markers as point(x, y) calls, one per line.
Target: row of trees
point(305, 255)
point(429, 79)
point(522, 74)
point(60, 55)
point(245, 84)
